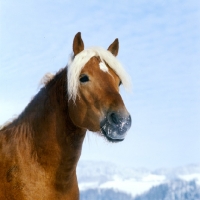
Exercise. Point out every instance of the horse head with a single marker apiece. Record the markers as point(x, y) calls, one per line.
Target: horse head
point(94, 77)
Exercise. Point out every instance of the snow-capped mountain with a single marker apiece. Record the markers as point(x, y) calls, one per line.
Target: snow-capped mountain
point(104, 176)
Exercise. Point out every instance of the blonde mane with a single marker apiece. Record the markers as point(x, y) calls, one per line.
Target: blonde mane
point(76, 65)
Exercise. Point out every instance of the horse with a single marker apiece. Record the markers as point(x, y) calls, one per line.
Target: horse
point(40, 149)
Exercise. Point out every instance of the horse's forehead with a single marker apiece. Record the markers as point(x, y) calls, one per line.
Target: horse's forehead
point(91, 65)
point(97, 68)
point(95, 65)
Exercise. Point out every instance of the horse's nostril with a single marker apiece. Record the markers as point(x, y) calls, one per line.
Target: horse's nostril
point(114, 118)
point(118, 121)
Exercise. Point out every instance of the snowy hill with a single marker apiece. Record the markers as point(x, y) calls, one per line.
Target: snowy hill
point(100, 178)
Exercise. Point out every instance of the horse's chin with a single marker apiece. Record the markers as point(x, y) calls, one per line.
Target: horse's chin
point(112, 134)
point(110, 139)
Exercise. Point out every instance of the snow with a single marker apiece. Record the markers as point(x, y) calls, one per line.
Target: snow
point(103, 175)
point(130, 186)
point(190, 177)
point(133, 186)
point(89, 185)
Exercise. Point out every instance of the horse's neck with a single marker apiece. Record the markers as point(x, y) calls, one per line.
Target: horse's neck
point(56, 141)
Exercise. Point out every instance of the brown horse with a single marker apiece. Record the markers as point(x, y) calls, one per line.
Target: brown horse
point(40, 149)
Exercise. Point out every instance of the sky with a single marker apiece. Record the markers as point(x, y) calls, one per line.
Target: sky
point(159, 48)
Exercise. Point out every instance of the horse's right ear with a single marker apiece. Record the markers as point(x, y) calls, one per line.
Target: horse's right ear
point(78, 44)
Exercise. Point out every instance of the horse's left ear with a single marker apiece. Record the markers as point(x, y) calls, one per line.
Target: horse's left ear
point(78, 44)
point(114, 47)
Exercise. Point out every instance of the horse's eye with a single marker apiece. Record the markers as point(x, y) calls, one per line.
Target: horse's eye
point(84, 78)
point(120, 83)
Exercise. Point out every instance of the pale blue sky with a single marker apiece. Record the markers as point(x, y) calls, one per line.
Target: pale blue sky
point(159, 47)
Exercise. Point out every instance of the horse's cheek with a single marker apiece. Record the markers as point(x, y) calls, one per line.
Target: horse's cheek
point(76, 113)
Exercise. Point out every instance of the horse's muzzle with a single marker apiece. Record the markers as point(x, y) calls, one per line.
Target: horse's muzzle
point(115, 126)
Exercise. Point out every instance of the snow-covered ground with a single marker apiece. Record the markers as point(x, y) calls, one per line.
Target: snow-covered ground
point(103, 175)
